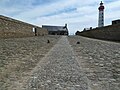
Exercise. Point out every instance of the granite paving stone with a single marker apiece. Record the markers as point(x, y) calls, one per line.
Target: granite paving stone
point(59, 71)
point(66, 63)
point(19, 56)
point(100, 60)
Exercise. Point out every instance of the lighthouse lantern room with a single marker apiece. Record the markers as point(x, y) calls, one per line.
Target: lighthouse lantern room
point(101, 15)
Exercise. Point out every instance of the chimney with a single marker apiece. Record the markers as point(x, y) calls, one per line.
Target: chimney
point(65, 25)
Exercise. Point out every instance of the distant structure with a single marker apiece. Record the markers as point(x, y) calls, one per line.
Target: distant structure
point(110, 32)
point(101, 15)
point(56, 30)
point(116, 22)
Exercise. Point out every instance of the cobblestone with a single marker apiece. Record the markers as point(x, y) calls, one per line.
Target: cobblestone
point(59, 71)
point(18, 56)
point(34, 64)
point(100, 60)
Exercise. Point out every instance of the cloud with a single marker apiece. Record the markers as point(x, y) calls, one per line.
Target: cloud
point(77, 13)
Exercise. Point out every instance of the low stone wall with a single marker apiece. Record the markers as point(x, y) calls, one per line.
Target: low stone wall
point(13, 28)
point(111, 32)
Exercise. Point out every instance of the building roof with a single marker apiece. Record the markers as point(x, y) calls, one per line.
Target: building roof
point(117, 20)
point(55, 28)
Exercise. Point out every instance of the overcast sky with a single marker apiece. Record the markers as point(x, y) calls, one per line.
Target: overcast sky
point(78, 14)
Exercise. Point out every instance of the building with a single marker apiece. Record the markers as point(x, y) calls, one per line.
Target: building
point(56, 30)
point(101, 15)
point(110, 32)
point(116, 22)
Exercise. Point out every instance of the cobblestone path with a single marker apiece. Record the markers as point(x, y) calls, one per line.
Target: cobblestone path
point(59, 70)
point(19, 56)
point(99, 60)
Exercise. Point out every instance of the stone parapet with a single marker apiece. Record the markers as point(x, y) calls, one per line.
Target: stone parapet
point(14, 28)
point(111, 32)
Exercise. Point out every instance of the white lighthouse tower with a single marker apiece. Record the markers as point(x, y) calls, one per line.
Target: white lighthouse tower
point(101, 15)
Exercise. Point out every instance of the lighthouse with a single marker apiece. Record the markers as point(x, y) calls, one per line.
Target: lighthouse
point(101, 15)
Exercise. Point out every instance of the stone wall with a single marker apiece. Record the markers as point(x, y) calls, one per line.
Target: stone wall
point(111, 32)
point(13, 28)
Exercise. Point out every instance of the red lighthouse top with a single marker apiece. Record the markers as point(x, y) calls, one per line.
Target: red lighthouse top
point(101, 8)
